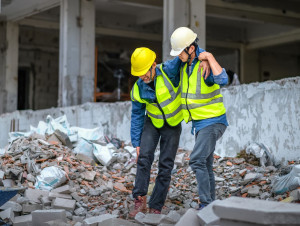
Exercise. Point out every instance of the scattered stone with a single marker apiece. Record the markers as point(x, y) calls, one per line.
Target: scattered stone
point(66, 204)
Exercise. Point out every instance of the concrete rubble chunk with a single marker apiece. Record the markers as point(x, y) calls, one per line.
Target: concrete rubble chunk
point(40, 217)
point(189, 218)
point(66, 189)
point(88, 175)
point(53, 195)
point(28, 208)
point(76, 196)
point(207, 216)
point(64, 138)
point(179, 160)
point(66, 204)
point(172, 217)
point(257, 211)
point(16, 207)
point(253, 190)
point(86, 159)
point(35, 194)
point(295, 194)
point(56, 223)
point(53, 139)
point(24, 220)
point(139, 217)
point(93, 221)
point(251, 177)
point(117, 222)
point(7, 214)
point(153, 219)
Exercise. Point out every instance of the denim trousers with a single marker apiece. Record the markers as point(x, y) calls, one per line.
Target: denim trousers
point(169, 141)
point(201, 160)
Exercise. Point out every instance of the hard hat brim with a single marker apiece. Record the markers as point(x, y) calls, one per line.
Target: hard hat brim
point(139, 73)
point(176, 52)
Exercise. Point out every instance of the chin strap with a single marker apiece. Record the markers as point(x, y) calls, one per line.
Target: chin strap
point(188, 60)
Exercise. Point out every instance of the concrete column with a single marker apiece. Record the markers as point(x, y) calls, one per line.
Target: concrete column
point(198, 20)
point(77, 43)
point(9, 56)
point(175, 15)
point(178, 13)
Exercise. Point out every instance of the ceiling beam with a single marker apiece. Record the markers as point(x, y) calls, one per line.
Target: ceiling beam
point(219, 8)
point(150, 4)
point(18, 10)
point(282, 38)
point(99, 30)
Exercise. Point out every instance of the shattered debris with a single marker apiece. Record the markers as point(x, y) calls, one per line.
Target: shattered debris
point(93, 181)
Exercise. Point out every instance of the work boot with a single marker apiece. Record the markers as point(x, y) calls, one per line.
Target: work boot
point(154, 211)
point(140, 205)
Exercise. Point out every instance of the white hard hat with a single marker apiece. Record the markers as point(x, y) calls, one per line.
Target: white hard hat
point(181, 38)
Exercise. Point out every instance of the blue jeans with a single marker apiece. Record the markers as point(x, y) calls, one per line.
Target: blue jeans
point(169, 141)
point(201, 160)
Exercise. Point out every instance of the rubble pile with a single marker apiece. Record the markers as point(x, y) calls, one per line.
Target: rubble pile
point(85, 188)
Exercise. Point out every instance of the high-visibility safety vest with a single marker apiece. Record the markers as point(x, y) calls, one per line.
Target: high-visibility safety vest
point(199, 101)
point(168, 107)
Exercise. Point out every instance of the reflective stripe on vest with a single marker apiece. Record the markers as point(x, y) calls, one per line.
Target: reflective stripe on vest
point(199, 101)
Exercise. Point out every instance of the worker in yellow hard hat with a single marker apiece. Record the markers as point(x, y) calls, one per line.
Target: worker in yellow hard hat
point(202, 103)
point(158, 94)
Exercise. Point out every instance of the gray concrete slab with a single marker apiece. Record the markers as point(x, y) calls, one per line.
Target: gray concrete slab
point(190, 218)
point(40, 217)
point(207, 215)
point(258, 211)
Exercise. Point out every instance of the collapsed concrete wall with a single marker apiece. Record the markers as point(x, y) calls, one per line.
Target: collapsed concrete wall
point(266, 112)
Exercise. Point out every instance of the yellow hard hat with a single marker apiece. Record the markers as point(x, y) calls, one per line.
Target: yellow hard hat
point(141, 61)
point(181, 38)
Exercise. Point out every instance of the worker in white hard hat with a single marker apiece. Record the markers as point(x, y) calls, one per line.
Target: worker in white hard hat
point(202, 103)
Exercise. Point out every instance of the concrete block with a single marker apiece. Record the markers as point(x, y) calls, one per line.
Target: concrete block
point(85, 158)
point(35, 194)
point(25, 220)
point(66, 204)
point(28, 208)
point(16, 207)
point(94, 221)
point(53, 195)
point(7, 214)
point(64, 138)
point(153, 219)
point(257, 211)
point(225, 222)
point(88, 175)
point(117, 222)
point(40, 217)
point(76, 196)
point(56, 223)
point(77, 218)
point(66, 189)
point(1, 175)
point(172, 217)
point(207, 215)
point(189, 218)
point(46, 201)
